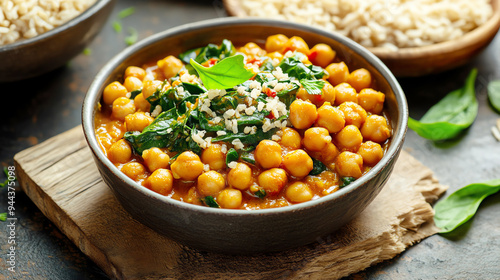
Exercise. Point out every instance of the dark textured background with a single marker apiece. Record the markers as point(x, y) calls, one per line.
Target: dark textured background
point(35, 110)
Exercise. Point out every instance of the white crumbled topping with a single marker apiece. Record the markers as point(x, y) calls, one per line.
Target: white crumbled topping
point(280, 86)
point(255, 85)
point(169, 130)
point(284, 123)
point(275, 62)
point(255, 93)
point(206, 167)
point(228, 124)
point(156, 111)
point(217, 120)
point(199, 140)
point(232, 164)
point(241, 107)
point(242, 90)
point(267, 125)
point(247, 129)
point(249, 100)
point(188, 78)
point(213, 93)
point(275, 138)
point(235, 126)
point(202, 133)
point(208, 140)
point(254, 130)
point(221, 133)
point(128, 95)
point(238, 145)
point(250, 110)
point(278, 73)
point(273, 83)
point(229, 113)
point(277, 124)
point(180, 89)
point(223, 148)
point(260, 106)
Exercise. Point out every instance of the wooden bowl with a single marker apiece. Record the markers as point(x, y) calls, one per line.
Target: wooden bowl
point(424, 60)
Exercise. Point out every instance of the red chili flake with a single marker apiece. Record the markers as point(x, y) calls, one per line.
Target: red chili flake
point(271, 116)
point(312, 55)
point(210, 62)
point(270, 92)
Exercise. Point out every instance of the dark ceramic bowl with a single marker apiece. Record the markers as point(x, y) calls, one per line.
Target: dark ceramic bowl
point(38, 55)
point(242, 231)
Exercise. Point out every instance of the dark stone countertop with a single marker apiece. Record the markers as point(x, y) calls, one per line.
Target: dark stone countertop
point(40, 108)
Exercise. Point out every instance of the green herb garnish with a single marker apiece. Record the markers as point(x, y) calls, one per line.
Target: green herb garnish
point(313, 87)
point(6, 172)
point(210, 201)
point(227, 73)
point(87, 51)
point(126, 12)
point(450, 116)
point(3, 216)
point(461, 205)
point(132, 38)
point(345, 181)
point(260, 193)
point(232, 155)
point(117, 26)
point(494, 94)
point(318, 167)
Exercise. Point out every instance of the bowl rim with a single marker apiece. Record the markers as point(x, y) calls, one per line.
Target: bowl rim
point(94, 8)
point(94, 93)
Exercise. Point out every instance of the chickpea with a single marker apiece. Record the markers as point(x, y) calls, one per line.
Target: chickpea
point(328, 92)
point(275, 55)
point(187, 166)
point(371, 100)
point(338, 73)
point(214, 157)
point(371, 153)
point(344, 93)
point(322, 55)
point(240, 177)
point(349, 164)
point(290, 138)
point(316, 99)
point(298, 192)
point(252, 49)
point(120, 152)
point(155, 159)
point(210, 183)
point(298, 163)
point(296, 44)
point(349, 137)
point(272, 180)
point(113, 91)
point(150, 87)
point(122, 107)
point(302, 114)
point(330, 118)
point(161, 181)
point(353, 113)
point(132, 83)
point(230, 198)
point(134, 170)
point(170, 66)
point(360, 79)
point(375, 129)
point(276, 43)
point(268, 154)
point(141, 104)
point(329, 154)
point(316, 138)
point(138, 121)
point(134, 71)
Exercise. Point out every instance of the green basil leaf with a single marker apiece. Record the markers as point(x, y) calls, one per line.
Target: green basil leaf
point(494, 94)
point(200, 55)
point(461, 205)
point(117, 26)
point(313, 87)
point(228, 73)
point(345, 181)
point(134, 93)
point(318, 167)
point(126, 12)
point(297, 69)
point(261, 193)
point(450, 116)
point(132, 37)
point(232, 155)
point(210, 201)
point(3, 216)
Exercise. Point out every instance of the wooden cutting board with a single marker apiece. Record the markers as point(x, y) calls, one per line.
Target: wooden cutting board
point(60, 177)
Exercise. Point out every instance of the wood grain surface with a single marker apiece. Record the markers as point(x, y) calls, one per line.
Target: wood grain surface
point(59, 175)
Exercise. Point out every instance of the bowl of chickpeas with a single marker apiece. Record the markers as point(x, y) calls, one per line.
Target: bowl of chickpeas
point(245, 135)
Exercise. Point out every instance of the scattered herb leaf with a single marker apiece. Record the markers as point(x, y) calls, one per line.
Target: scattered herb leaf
point(134, 93)
point(313, 87)
point(6, 172)
point(132, 38)
point(345, 181)
point(3, 216)
point(318, 167)
point(210, 201)
point(294, 67)
point(117, 26)
point(494, 94)
point(126, 12)
point(232, 155)
point(450, 116)
point(260, 193)
point(87, 51)
point(228, 73)
point(461, 205)
point(211, 51)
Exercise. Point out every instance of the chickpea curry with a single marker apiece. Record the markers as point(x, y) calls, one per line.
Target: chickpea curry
point(246, 127)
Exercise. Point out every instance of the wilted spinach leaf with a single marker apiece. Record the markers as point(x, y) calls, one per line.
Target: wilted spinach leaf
point(494, 94)
point(318, 167)
point(228, 73)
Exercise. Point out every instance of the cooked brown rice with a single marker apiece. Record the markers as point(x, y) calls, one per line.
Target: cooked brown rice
point(381, 23)
point(23, 19)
